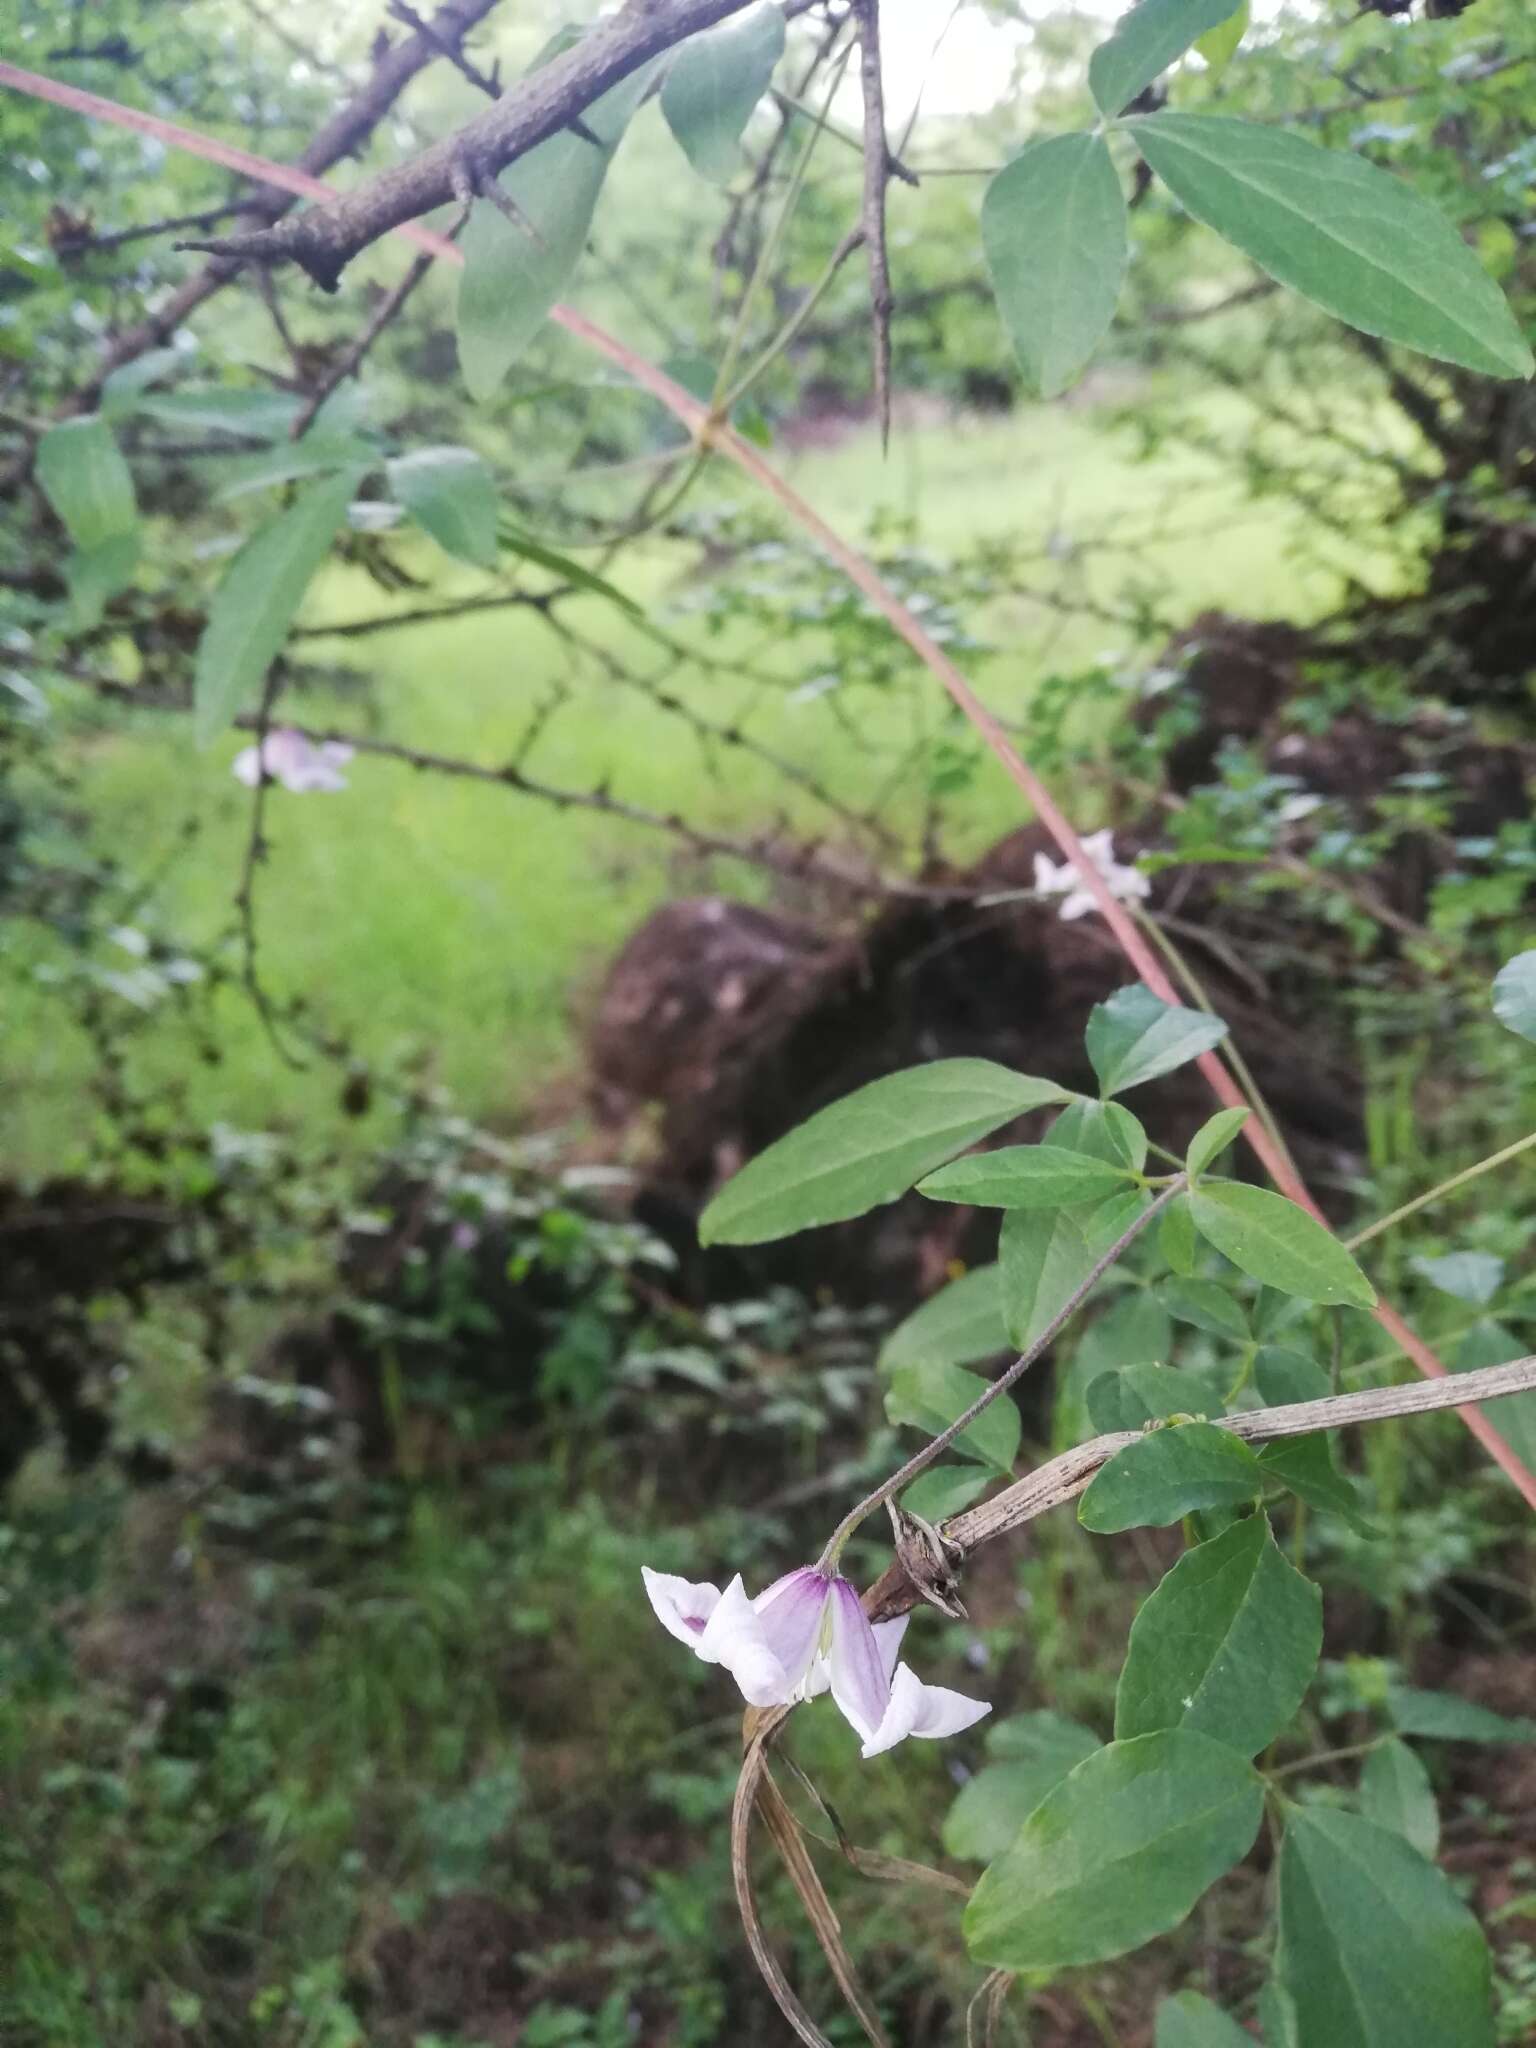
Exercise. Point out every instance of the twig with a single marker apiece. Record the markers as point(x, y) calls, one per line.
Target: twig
point(877, 171)
point(245, 894)
point(453, 51)
point(1063, 1478)
point(919, 1462)
point(387, 310)
point(97, 245)
point(1445, 1187)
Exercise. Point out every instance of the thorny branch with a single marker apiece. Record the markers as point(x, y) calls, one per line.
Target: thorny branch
point(245, 894)
point(342, 136)
point(877, 173)
point(324, 239)
point(795, 859)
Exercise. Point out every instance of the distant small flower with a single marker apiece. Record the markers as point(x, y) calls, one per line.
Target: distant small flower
point(294, 761)
point(808, 1634)
point(1053, 879)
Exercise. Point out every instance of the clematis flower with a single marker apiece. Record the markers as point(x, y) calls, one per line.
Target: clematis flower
point(287, 757)
point(809, 1634)
point(1063, 879)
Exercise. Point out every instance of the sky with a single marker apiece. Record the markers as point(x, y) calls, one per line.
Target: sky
point(975, 57)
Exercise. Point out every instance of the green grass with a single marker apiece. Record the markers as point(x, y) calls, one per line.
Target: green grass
point(464, 924)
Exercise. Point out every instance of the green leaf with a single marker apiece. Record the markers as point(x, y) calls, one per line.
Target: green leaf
point(1146, 41)
point(1287, 1377)
point(1305, 1465)
point(869, 1148)
point(1136, 1036)
point(1105, 1130)
point(515, 270)
point(715, 81)
point(450, 492)
point(1272, 1240)
point(1220, 45)
point(1473, 1277)
point(1035, 1752)
point(1514, 995)
point(1170, 1473)
point(1277, 2015)
point(1024, 1177)
point(1447, 1718)
point(254, 605)
point(1190, 2021)
point(1119, 1852)
point(1376, 1949)
point(1213, 1138)
point(315, 455)
point(1358, 241)
point(253, 415)
point(516, 542)
point(1131, 1396)
point(1045, 1257)
point(943, 1491)
point(1226, 1645)
point(1053, 227)
point(97, 573)
point(121, 388)
point(87, 482)
point(1395, 1793)
point(958, 1325)
point(1176, 1238)
point(1208, 1306)
point(929, 1396)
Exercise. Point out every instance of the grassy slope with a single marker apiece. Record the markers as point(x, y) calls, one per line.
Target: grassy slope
point(458, 920)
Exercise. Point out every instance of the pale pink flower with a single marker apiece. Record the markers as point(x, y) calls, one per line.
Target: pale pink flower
point(294, 761)
point(1062, 879)
point(808, 1634)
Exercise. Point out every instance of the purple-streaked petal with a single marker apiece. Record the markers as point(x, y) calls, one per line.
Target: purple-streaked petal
point(682, 1605)
point(733, 1636)
point(790, 1615)
point(859, 1683)
point(929, 1711)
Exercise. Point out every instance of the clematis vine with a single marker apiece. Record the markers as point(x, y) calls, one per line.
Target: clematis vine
point(1062, 879)
point(287, 757)
point(809, 1634)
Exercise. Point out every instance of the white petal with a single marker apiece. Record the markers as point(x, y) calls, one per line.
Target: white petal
point(1078, 904)
point(733, 1636)
point(682, 1605)
point(1100, 847)
point(888, 1635)
point(923, 1710)
point(246, 767)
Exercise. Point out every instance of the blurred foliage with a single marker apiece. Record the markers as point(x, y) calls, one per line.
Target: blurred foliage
point(338, 1428)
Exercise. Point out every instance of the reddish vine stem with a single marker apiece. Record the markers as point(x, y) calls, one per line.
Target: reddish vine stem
point(717, 434)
